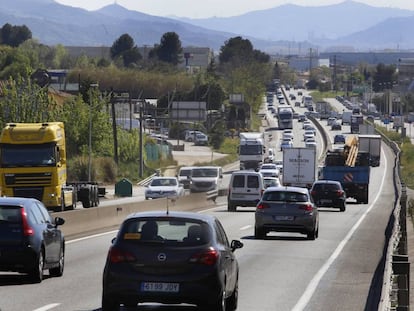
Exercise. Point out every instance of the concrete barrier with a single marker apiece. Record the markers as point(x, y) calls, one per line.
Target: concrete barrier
point(89, 220)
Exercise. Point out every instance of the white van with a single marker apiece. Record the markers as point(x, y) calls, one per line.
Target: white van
point(205, 178)
point(245, 189)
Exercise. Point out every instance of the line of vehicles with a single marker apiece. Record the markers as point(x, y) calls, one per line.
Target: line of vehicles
point(150, 247)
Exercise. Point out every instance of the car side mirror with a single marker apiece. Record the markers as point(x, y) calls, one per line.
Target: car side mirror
point(59, 221)
point(235, 244)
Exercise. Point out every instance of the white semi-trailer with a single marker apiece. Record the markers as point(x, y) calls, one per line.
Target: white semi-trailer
point(299, 167)
point(252, 150)
point(372, 145)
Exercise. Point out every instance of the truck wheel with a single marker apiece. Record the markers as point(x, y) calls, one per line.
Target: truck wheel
point(259, 233)
point(231, 207)
point(86, 203)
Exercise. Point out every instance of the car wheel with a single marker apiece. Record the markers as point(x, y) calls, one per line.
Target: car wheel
point(58, 271)
point(109, 304)
point(37, 272)
point(231, 207)
point(219, 304)
point(231, 303)
point(313, 234)
point(259, 233)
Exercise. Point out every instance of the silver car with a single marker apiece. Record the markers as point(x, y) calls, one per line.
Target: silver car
point(286, 209)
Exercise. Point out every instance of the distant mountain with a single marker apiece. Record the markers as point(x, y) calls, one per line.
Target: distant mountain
point(287, 29)
point(393, 33)
point(298, 23)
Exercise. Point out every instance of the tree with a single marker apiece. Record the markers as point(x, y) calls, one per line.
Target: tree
point(25, 101)
point(124, 48)
point(240, 51)
point(169, 50)
point(122, 44)
point(384, 77)
point(14, 35)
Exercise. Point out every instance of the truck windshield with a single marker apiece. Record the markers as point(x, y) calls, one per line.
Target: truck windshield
point(27, 155)
point(250, 149)
point(204, 172)
point(285, 115)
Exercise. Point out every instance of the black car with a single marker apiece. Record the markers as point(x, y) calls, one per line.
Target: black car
point(30, 241)
point(171, 258)
point(328, 193)
point(339, 139)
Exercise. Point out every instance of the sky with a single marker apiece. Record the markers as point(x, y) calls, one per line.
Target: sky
point(218, 8)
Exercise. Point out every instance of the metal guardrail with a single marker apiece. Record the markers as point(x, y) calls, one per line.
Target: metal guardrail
point(146, 181)
point(213, 194)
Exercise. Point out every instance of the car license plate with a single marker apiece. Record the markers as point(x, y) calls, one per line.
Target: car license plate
point(325, 201)
point(160, 287)
point(283, 217)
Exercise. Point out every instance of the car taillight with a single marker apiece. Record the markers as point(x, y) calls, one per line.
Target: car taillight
point(116, 255)
point(306, 207)
point(208, 257)
point(27, 230)
point(313, 192)
point(339, 193)
point(262, 206)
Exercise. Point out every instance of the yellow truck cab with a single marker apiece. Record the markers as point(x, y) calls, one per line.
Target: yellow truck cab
point(33, 163)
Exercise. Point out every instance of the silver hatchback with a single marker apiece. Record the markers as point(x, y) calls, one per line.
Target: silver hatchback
point(286, 209)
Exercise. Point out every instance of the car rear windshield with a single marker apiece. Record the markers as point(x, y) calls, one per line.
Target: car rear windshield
point(326, 187)
point(10, 214)
point(173, 231)
point(285, 196)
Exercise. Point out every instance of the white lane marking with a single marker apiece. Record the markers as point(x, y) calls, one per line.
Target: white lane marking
point(91, 236)
point(48, 307)
point(246, 227)
point(311, 288)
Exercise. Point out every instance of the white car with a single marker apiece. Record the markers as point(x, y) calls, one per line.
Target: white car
point(279, 165)
point(162, 187)
point(308, 134)
point(288, 134)
point(201, 139)
point(269, 170)
point(271, 182)
point(310, 143)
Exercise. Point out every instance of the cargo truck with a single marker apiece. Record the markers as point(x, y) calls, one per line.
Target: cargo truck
point(299, 167)
point(252, 150)
point(351, 168)
point(33, 164)
point(371, 144)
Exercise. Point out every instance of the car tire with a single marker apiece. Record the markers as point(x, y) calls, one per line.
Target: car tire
point(231, 207)
point(259, 233)
point(109, 304)
point(58, 271)
point(232, 301)
point(312, 235)
point(218, 305)
point(37, 273)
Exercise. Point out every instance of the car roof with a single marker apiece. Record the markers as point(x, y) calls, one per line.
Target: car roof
point(172, 214)
point(16, 200)
point(324, 181)
point(288, 188)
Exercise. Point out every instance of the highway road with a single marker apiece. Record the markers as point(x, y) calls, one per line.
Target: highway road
point(282, 272)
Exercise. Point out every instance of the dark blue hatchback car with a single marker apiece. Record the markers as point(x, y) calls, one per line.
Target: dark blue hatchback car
point(30, 241)
point(171, 258)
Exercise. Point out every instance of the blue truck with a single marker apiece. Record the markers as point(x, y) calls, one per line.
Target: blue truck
point(354, 179)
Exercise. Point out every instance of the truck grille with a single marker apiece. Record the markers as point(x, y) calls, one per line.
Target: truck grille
point(29, 192)
point(28, 179)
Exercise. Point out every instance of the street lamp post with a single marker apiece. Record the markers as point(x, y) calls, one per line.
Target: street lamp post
point(92, 85)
